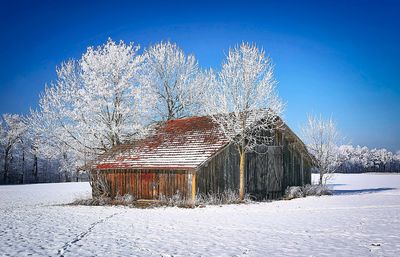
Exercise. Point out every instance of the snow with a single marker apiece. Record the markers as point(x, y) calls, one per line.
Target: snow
point(361, 219)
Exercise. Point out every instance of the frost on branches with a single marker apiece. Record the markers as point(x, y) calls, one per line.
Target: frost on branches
point(244, 96)
point(322, 139)
point(172, 76)
point(362, 159)
point(354, 158)
point(12, 127)
point(96, 102)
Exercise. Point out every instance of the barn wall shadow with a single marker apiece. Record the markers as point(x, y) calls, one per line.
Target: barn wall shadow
point(362, 191)
point(335, 185)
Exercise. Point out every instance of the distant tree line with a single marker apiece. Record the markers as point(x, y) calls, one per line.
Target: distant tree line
point(355, 159)
point(23, 158)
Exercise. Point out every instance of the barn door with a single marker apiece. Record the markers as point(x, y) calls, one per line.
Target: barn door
point(275, 171)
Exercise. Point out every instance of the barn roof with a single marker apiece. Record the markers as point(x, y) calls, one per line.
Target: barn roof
point(181, 144)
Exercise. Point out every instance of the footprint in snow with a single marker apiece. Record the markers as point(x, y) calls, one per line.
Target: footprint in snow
point(374, 247)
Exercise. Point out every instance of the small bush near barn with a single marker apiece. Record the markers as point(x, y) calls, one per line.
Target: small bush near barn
point(226, 197)
point(307, 190)
point(124, 199)
point(316, 190)
point(293, 192)
point(175, 200)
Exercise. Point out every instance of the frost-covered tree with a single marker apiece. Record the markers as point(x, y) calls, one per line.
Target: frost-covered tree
point(322, 140)
point(172, 76)
point(244, 101)
point(382, 157)
point(375, 159)
point(12, 127)
point(397, 156)
point(362, 154)
point(96, 102)
point(353, 159)
point(362, 159)
point(43, 141)
point(346, 155)
point(396, 159)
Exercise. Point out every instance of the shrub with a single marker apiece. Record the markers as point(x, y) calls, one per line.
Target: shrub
point(175, 200)
point(307, 190)
point(293, 192)
point(101, 187)
point(226, 197)
point(316, 190)
point(124, 199)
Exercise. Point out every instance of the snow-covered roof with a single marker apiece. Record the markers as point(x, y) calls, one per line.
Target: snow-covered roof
point(181, 144)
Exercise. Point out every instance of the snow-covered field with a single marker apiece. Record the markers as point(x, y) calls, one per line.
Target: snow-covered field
point(362, 219)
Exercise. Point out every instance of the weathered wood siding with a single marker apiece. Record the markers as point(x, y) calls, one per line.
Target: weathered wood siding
point(264, 173)
point(149, 184)
point(268, 172)
point(221, 173)
point(296, 166)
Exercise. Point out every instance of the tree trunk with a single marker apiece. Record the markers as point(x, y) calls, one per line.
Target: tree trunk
point(241, 175)
point(35, 168)
point(23, 166)
point(5, 178)
point(321, 176)
point(67, 178)
point(66, 175)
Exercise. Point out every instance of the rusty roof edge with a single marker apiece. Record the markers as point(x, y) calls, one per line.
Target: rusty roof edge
point(176, 168)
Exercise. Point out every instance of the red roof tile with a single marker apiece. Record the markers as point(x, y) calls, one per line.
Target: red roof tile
point(182, 144)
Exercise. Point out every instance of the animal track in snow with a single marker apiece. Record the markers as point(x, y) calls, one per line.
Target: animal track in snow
point(83, 234)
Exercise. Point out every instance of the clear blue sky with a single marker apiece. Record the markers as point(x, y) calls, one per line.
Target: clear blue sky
point(337, 58)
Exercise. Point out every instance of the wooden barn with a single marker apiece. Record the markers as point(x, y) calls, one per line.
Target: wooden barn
point(189, 156)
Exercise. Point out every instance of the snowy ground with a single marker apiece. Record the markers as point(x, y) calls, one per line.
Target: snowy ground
point(362, 219)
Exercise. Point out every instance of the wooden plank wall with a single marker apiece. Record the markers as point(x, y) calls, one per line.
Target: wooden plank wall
point(295, 166)
point(146, 184)
point(221, 172)
point(267, 175)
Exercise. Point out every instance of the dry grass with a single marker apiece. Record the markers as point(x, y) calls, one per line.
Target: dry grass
point(177, 200)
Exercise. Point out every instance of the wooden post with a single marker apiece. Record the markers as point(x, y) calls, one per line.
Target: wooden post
point(193, 188)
